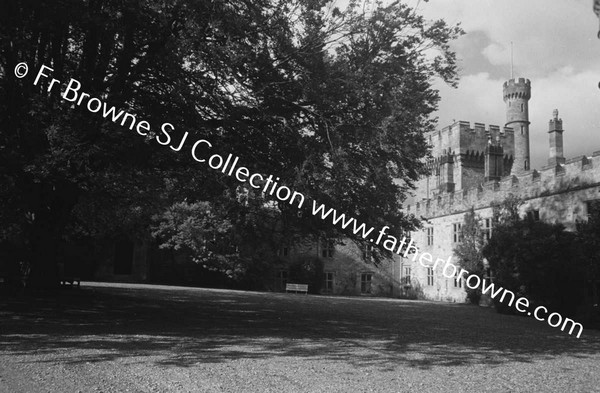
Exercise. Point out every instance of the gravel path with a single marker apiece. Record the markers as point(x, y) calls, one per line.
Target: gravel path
point(143, 338)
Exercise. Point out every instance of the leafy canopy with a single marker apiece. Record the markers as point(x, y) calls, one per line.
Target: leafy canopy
point(334, 102)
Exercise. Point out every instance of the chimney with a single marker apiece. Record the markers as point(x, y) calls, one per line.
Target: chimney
point(556, 140)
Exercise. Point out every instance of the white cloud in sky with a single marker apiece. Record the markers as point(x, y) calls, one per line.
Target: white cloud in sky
point(555, 46)
point(496, 53)
point(562, 90)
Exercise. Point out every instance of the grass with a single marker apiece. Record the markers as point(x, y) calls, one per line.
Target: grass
point(114, 337)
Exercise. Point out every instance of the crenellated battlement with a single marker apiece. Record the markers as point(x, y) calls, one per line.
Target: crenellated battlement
point(577, 172)
point(517, 89)
point(461, 138)
point(517, 82)
point(476, 166)
point(465, 126)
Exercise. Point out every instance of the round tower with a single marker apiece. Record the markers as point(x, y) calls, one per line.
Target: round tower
point(517, 93)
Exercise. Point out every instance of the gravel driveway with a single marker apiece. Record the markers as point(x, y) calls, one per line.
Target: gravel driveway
point(145, 338)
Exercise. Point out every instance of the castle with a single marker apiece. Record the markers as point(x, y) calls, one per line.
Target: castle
point(471, 167)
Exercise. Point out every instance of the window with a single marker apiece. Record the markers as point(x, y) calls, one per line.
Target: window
point(365, 282)
point(406, 276)
point(593, 208)
point(430, 276)
point(430, 236)
point(327, 247)
point(283, 251)
point(328, 281)
point(522, 107)
point(522, 129)
point(457, 235)
point(487, 229)
point(368, 252)
point(413, 245)
point(533, 215)
point(457, 281)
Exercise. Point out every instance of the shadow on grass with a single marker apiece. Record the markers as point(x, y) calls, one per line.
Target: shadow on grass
point(184, 327)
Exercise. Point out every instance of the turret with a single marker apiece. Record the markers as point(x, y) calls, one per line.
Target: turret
point(517, 93)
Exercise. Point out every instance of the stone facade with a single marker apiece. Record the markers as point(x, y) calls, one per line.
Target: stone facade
point(474, 167)
point(347, 269)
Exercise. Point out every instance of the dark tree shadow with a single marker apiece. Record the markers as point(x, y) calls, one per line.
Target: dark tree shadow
point(184, 327)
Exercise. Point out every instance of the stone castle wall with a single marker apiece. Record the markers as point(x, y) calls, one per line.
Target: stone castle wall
point(347, 264)
point(473, 167)
point(461, 138)
point(463, 146)
point(559, 193)
point(577, 173)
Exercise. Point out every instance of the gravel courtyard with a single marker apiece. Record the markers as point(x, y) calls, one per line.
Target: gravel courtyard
point(143, 338)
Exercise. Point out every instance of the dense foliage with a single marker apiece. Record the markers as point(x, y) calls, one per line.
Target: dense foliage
point(544, 262)
point(334, 102)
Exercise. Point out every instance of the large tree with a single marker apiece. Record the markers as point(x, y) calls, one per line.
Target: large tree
point(334, 102)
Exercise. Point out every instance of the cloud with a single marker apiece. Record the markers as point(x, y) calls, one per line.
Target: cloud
point(479, 99)
point(555, 46)
point(496, 53)
point(546, 35)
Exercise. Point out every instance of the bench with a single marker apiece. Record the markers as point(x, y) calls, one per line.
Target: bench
point(67, 278)
point(70, 280)
point(297, 288)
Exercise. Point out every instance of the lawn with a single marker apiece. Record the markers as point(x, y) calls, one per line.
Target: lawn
point(143, 338)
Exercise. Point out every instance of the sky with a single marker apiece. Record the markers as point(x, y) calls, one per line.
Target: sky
point(555, 46)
